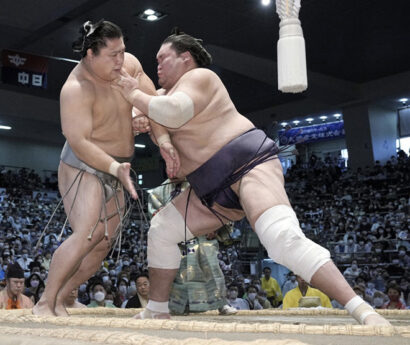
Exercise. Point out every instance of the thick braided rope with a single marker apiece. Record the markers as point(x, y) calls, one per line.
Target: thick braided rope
point(203, 326)
point(118, 337)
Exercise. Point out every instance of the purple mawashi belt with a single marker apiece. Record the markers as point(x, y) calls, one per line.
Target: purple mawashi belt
point(212, 180)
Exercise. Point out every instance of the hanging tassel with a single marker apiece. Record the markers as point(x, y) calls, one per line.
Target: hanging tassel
point(292, 75)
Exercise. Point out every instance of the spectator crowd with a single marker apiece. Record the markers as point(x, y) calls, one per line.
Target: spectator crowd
point(362, 217)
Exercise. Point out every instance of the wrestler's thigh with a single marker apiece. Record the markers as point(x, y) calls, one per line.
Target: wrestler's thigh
point(83, 202)
point(200, 219)
point(261, 189)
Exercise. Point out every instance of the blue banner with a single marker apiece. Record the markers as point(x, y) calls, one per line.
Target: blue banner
point(310, 134)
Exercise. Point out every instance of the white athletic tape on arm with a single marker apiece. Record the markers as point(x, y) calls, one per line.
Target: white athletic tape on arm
point(279, 231)
point(166, 231)
point(113, 169)
point(359, 309)
point(162, 139)
point(171, 111)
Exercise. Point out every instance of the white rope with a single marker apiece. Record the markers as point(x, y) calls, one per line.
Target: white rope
point(292, 74)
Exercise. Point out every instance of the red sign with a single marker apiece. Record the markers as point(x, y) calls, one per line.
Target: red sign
point(24, 61)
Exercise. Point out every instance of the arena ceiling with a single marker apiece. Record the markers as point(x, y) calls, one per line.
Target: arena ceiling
point(349, 43)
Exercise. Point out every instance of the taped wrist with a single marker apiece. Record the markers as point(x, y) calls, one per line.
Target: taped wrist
point(162, 139)
point(171, 111)
point(113, 169)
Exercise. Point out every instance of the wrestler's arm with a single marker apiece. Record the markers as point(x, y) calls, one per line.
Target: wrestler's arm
point(195, 86)
point(193, 93)
point(76, 104)
point(147, 86)
point(159, 134)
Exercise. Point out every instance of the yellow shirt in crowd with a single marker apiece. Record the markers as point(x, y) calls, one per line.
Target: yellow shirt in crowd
point(292, 298)
point(272, 288)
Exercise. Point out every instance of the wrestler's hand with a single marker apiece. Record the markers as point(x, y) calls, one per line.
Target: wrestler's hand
point(123, 175)
point(171, 157)
point(125, 84)
point(140, 124)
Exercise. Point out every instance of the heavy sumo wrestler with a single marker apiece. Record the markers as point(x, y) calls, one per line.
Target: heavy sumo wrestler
point(97, 123)
point(233, 171)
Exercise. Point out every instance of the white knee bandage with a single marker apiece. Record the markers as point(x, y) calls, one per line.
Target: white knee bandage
point(166, 231)
point(279, 231)
point(171, 111)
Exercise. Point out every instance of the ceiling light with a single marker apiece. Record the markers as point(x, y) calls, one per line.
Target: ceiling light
point(323, 117)
point(150, 15)
point(5, 127)
point(309, 119)
point(149, 12)
point(403, 100)
point(265, 2)
point(141, 146)
point(296, 122)
point(337, 115)
point(283, 124)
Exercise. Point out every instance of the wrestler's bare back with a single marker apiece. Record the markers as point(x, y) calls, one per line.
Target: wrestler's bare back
point(111, 113)
point(209, 130)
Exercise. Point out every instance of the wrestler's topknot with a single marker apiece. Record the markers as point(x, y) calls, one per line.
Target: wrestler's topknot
point(181, 42)
point(93, 36)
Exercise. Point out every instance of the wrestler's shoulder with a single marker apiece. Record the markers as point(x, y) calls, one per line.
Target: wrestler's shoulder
point(201, 73)
point(131, 64)
point(78, 85)
point(201, 77)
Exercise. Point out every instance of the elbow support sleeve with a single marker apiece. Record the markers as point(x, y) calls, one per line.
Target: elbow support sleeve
point(171, 111)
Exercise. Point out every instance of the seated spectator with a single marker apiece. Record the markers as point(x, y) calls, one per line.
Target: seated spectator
point(32, 283)
point(12, 296)
point(122, 289)
point(272, 288)
point(404, 257)
point(24, 261)
point(394, 294)
point(140, 300)
point(263, 300)
point(289, 284)
point(72, 302)
point(234, 301)
point(98, 295)
point(251, 298)
point(292, 298)
point(352, 272)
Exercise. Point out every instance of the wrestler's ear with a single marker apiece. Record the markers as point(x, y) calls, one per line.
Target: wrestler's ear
point(186, 56)
point(90, 53)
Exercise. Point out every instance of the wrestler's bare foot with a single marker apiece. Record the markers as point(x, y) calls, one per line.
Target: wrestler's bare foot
point(60, 310)
point(42, 309)
point(148, 314)
point(376, 320)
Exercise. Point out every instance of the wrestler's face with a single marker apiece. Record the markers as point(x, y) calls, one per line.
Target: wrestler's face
point(108, 62)
point(171, 66)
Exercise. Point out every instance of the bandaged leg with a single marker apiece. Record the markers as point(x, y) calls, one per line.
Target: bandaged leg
point(166, 231)
point(164, 257)
point(279, 231)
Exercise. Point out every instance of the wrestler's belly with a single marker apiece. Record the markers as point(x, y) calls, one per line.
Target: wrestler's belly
point(119, 145)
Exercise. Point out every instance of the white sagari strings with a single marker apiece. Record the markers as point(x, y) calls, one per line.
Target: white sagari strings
point(292, 76)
